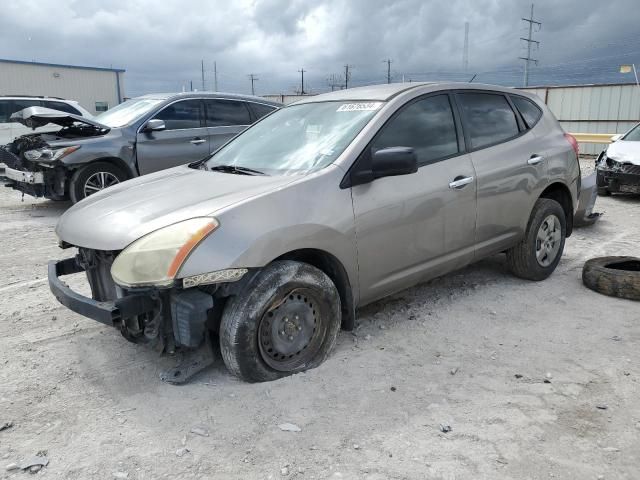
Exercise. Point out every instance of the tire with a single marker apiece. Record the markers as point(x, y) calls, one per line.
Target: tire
point(83, 178)
point(285, 320)
point(613, 276)
point(536, 258)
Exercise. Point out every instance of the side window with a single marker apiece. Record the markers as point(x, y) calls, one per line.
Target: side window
point(224, 113)
point(489, 118)
point(427, 126)
point(102, 106)
point(260, 110)
point(529, 110)
point(17, 105)
point(182, 115)
point(4, 111)
point(61, 106)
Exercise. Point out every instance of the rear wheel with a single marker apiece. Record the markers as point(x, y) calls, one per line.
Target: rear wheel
point(93, 178)
point(286, 320)
point(538, 254)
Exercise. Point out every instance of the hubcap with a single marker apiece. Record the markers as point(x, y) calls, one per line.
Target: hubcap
point(291, 333)
point(548, 240)
point(99, 181)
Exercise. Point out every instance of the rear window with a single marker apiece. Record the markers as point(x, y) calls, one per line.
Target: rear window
point(260, 110)
point(489, 118)
point(4, 111)
point(529, 110)
point(61, 106)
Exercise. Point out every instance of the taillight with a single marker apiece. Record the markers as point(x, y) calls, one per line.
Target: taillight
point(574, 143)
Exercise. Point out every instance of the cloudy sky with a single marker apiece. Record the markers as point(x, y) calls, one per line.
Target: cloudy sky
point(161, 42)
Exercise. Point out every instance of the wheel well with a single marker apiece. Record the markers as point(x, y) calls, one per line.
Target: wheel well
point(560, 193)
point(118, 162)
point(332, 267)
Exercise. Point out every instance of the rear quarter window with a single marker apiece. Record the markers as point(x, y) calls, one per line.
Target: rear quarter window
point(61, 106)
point(260, 110)
point(4, 111)
point(530, 112)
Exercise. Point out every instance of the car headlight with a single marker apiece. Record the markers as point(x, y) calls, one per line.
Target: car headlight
point(50, 154)
point(154, 260)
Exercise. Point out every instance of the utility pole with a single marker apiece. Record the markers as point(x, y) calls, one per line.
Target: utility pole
point(191, 84)
point(529, 41)
point(347, 75)
point(465, 51)
point(388, 62)
point(302, 70)
point(253, 78)
point(202, 66)
point(215, 77)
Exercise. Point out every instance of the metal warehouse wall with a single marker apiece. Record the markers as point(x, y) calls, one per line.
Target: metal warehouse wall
point(593, 109)
point(84, 84)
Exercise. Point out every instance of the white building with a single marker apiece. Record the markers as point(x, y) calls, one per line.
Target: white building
point(96, 89)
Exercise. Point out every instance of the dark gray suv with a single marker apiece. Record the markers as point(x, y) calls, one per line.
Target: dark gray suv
point(139, 136)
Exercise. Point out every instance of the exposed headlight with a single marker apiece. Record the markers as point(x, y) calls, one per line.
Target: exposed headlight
point(50, 154)
point(154, 260)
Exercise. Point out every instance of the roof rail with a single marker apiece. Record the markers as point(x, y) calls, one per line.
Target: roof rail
point(34, 96)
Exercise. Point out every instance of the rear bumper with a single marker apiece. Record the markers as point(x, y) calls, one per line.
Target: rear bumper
point(110, 313)
point(586, 201)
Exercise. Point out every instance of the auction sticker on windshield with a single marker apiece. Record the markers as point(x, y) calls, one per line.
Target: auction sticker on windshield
point(359, 107)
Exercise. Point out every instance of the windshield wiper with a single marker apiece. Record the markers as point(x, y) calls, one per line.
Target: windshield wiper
point(236, 169)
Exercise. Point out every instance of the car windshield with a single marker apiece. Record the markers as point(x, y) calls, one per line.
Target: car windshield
point(633, 135)
point(127, 112)
point(297, 139)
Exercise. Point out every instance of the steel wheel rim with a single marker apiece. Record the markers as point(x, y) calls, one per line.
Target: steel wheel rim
point(291, 332)
point(548, 240)
point(99, 181)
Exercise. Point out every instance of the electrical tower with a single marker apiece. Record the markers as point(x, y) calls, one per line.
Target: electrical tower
point(253, 78)
point(529, 40)
point(347, 76)
point(302, 70)
point(388, 62)
point(334, 81)
point(465, 51)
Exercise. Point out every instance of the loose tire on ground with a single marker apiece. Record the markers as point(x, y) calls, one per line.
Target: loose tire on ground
point(613, 276)
point(80, 177)
point(523, 259)
point(285, 320)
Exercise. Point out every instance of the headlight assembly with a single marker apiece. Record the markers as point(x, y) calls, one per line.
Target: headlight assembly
point(50, 154)
point(154, 260)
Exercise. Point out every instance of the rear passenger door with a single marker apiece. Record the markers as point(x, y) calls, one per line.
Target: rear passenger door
point(224, 120)
point(184, 140)
point(507, 164)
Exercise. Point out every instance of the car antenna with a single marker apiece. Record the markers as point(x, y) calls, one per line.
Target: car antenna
point(472, 78)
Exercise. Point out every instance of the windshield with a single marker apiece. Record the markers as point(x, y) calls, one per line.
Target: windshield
point(127, 112)
point(633, 135)
point(297, 139)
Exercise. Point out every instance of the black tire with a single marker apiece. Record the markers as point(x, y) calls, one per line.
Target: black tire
point(613, 276)
point(522, 259)
point(248, 338)
point(82, 175)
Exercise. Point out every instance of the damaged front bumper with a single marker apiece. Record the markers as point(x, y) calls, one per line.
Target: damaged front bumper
point(617, 177)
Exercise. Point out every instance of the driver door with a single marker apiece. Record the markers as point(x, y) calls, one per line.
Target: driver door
point(184, 140)
point(417, 226)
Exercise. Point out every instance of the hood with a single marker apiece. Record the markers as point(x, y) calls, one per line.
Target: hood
point(34, 117)
point(115, 217)
point(624, 152)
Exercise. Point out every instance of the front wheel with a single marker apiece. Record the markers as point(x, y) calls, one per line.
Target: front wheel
point(94, 178)
point(538, 254)
point(285, 320)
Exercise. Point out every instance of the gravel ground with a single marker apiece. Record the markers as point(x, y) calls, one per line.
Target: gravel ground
point(516, 369)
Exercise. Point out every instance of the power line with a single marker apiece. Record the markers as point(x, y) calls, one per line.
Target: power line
point(253, 78)
point(529, 41)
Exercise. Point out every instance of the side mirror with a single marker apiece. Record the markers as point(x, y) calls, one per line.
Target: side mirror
point(615, 138)
point(154, 125)
point(393, 161)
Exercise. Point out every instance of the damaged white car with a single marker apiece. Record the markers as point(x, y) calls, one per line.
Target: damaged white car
point(618, 167)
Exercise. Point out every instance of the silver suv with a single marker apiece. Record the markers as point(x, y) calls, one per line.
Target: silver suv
point(139, 136)
point(269, 245)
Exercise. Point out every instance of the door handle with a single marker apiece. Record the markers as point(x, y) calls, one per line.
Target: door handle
point(535, 159)
point(460, 182)
point(197, 141)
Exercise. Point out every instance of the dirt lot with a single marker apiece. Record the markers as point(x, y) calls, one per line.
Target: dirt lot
point(446, 352)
